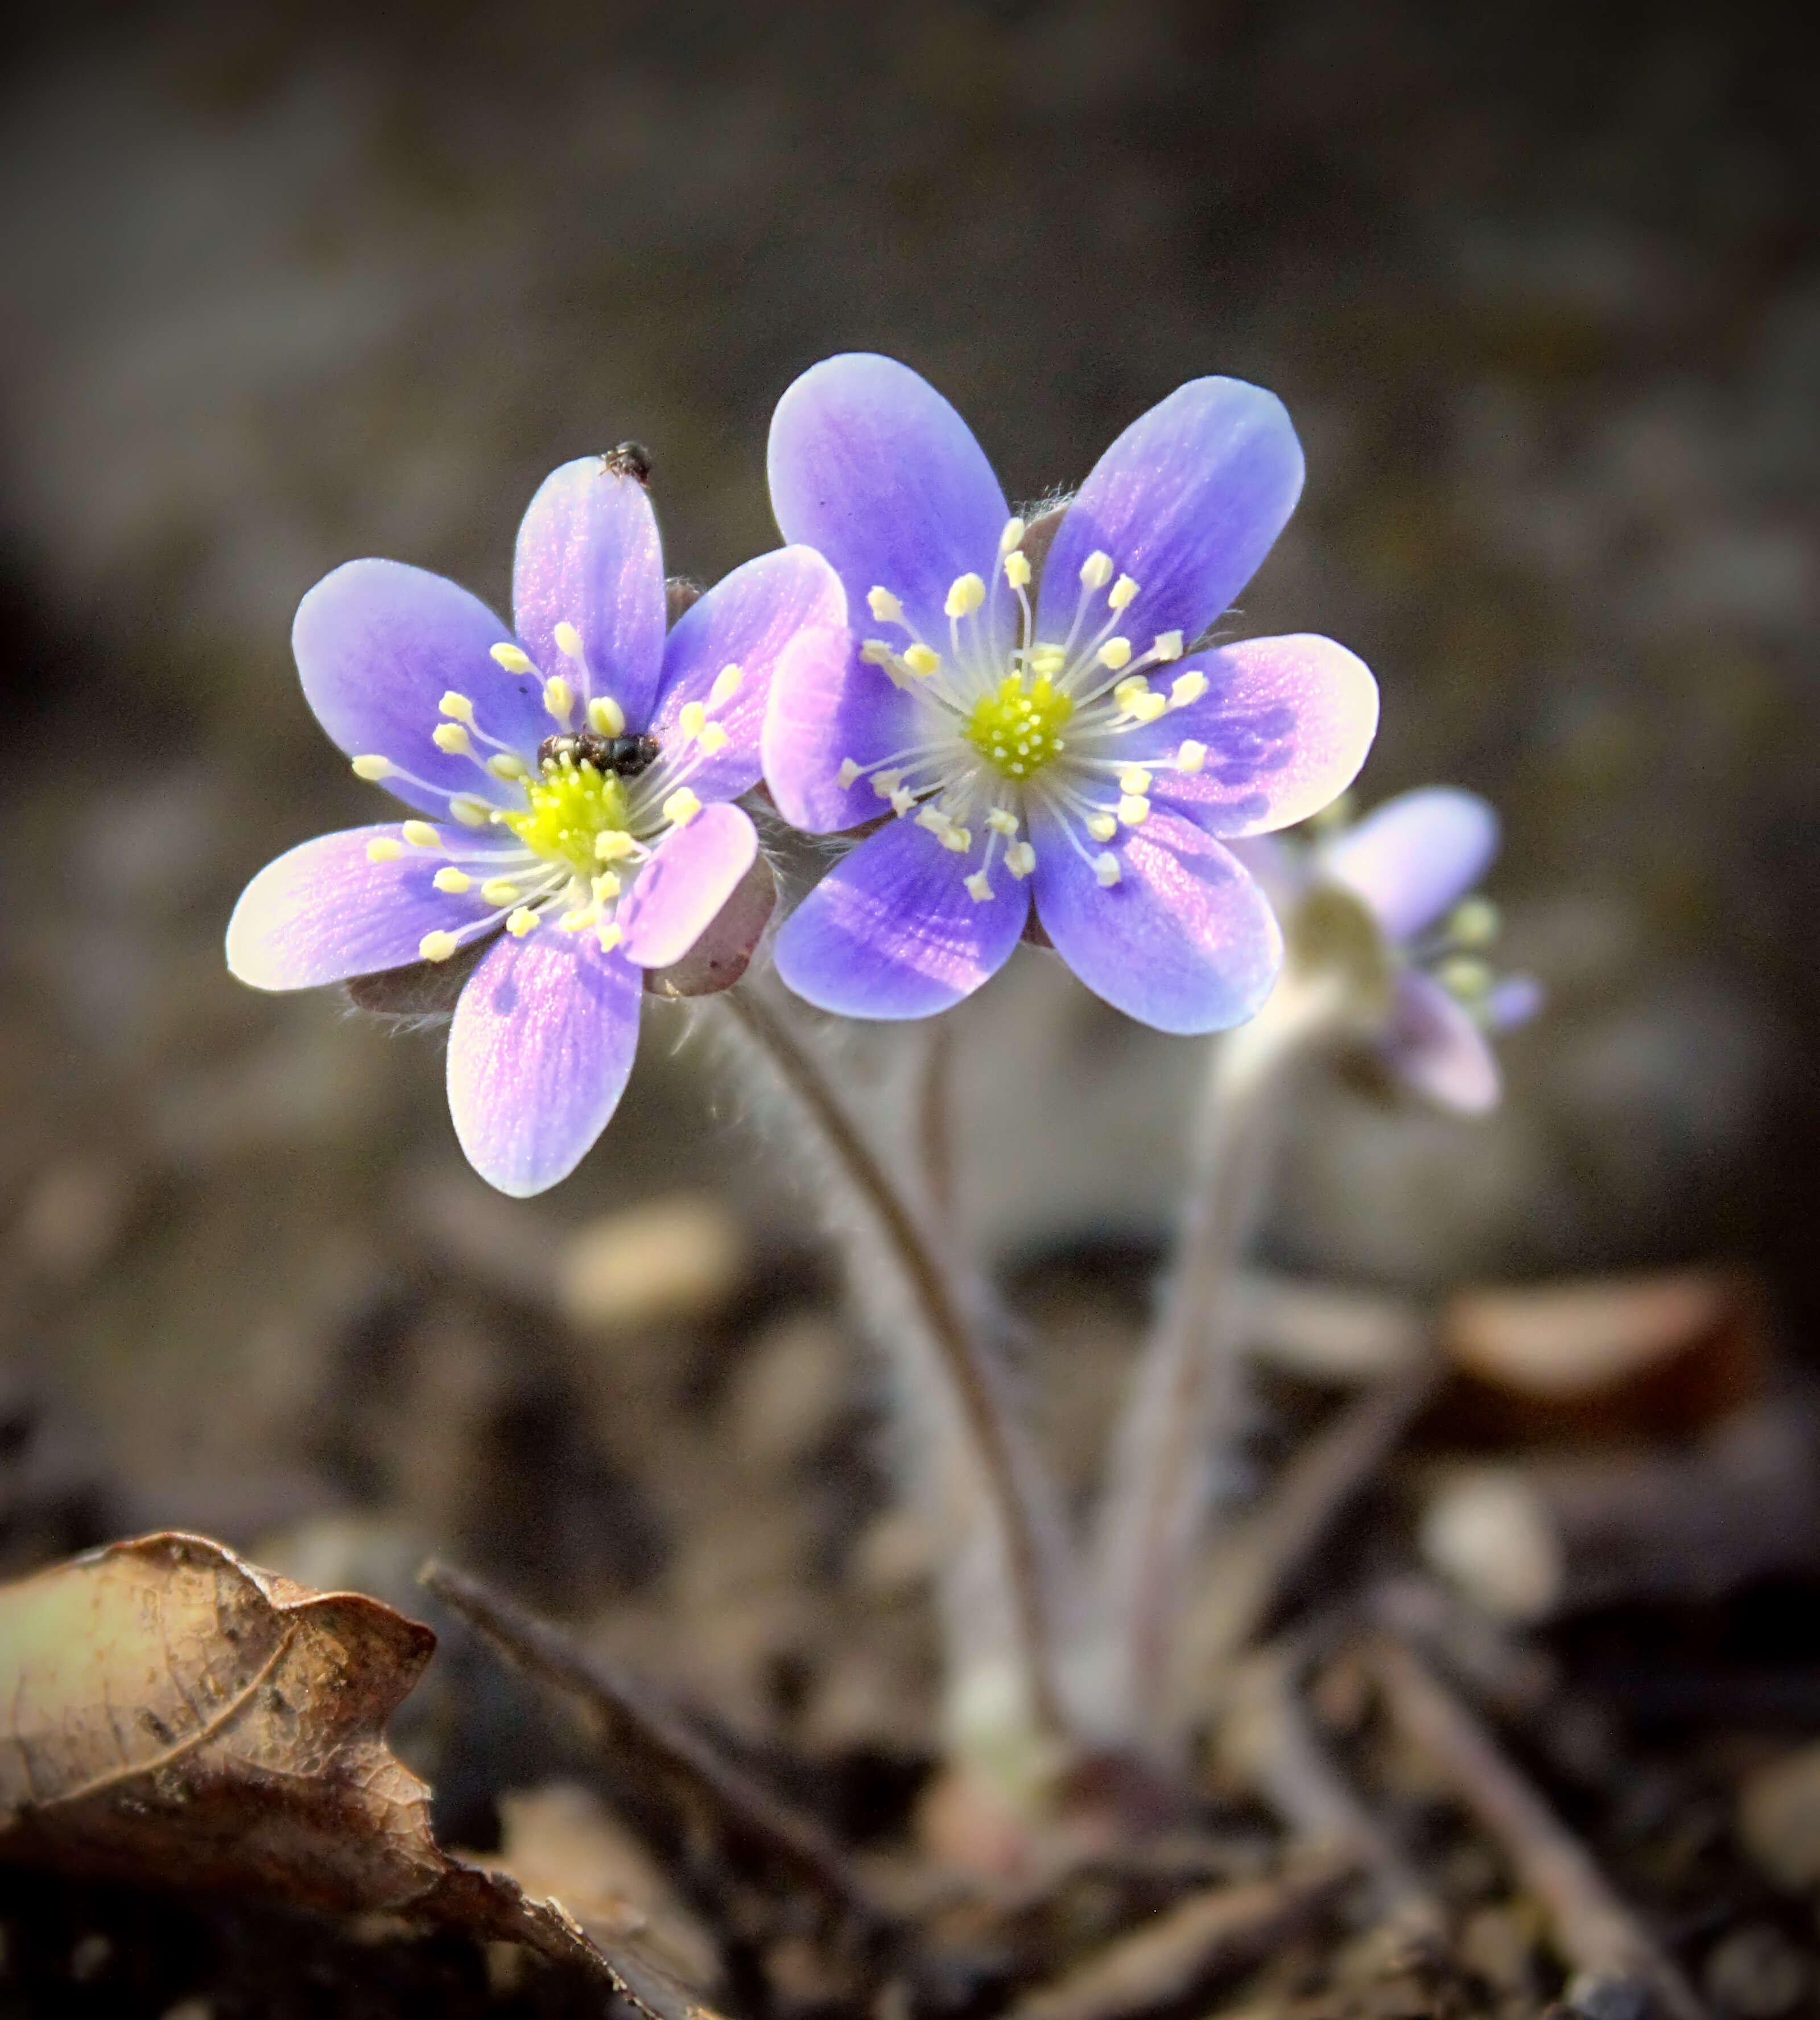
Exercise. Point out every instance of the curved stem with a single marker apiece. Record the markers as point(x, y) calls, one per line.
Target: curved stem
point(999, 1456)
point(1182, 1417)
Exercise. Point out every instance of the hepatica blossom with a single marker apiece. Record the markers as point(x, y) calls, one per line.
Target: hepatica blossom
point(1050, 727)
point(576, 773)
point(1414, 862)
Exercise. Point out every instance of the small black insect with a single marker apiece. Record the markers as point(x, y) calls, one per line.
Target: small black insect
point(624, 757)
point(630, 459)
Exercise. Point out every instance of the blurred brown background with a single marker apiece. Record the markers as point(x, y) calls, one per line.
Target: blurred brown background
point(291, 283)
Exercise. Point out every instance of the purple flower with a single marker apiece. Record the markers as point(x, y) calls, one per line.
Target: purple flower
point(1075, 745)
point(1411, 863)
point(575, 776)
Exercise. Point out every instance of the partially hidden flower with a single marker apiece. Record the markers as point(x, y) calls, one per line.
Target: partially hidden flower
point(576, 773)
point(1414, 864)
point(1045, 728)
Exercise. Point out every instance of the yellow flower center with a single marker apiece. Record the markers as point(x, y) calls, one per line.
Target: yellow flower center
point(573, 808)
point(1016, 729)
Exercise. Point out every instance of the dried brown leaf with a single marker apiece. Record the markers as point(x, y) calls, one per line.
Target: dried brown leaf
point(170, 1712)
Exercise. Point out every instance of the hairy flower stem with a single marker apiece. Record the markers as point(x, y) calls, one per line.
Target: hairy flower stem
point(995, 1457)
point(1181, 1420)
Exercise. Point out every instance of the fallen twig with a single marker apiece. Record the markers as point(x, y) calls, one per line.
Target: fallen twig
point(1595, 1932)
point(738, 1811)
point(1249, 1570)
point(1266, 1740)
point(1206, 1936)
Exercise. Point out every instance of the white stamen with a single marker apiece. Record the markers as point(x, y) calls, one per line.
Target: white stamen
point(470, 811)
point(965, 595)
point(977, 888)
point(613, 846)
point(503, 764)
point(500, 891)
point(1002, 821)
point(921, 661)
point(605, 717)
point(453, 739)
point(1017, 569)
point(726, 685)
point(1012, 536)
point(1134, 779)
point(1096, 570)
point(1105, 869)
point(382, 849)
point(457, 706)
point(681, 807)
point(884, 607)
point(1122, 593)
point(513, 658)
point(692, 720)
point(1020, 859)
point(1133, 809)
point(522, 921)
point(1190, 755)
point(902, 801)
point(453, 881)
point(848, 773)
point(1166, 645)
point(568, 642)
point(372, 768)
point(436, 946)
point(558, 699)
point(1115, 652)
point(1186, 688)
point(1102, 826)
point(420, 834)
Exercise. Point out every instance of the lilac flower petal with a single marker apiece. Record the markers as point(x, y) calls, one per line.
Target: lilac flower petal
point(1275, 865)
point(1286, 724)
point(1412, 857)
point(589, 555)
point(825, 709)
point(1433, 1047)
point(1187, 501)
point(872, 466)
point(539, 1054)
point(1185, 941)
point(378, 646)
point(1514, 999)
point(695, 871)
point(324, 912)
point(789, 601)
point(891, 932)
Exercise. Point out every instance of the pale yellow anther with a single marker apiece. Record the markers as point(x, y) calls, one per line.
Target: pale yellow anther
point(1122, 593)
point(436, 946)
point(681, 807)
point(1186, 688)
point(522, 921)
point(610, 935)
point(1012, 536)
point(713, 739)
point(1017, 569)
point(921, 661)
point(1096, 570)
point(1102, 826)
point(978, 887)
point(1129, 689)
point(727, 684)
point(885, 606)
point(1134, 809)
point(1001, 820)
point(372, 769)
point(382, 849)
point(613, 846)
point(470, 811)
point(1105, 869)
point(1475, 922)
point(1465, 976)
point(512, 658)
point(1020, 859)
point(1190, 755)
point(902, 802)
point(935, 820)
point(605, 886)
point(500, 891)
point(1134, 779)
point(875, 653)
point(848, 773)
point(692, 720)
point(559, 699)
point(580, 919)
point(886, 784)
point(457, 706)
point(503, 764)
point(959, 839)
point(1167, 645)
point(1147, 705)
point(605, 717)
point(420, 834)
point(1115, 652)
point(965, 594)
point(1048, 661)
point(452, 737)
point(568, 641)
point(453, 880)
